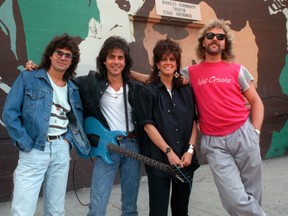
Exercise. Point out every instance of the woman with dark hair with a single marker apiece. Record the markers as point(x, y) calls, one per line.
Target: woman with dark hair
point(167, 117)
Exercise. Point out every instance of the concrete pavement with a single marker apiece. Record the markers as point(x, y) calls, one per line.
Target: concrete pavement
point(204, 198)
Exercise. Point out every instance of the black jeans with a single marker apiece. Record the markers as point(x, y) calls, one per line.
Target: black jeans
point(159, 193)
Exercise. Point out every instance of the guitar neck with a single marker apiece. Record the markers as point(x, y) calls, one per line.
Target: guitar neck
point(139, 157)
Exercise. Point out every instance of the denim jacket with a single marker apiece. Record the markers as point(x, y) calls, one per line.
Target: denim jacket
point(27, 111)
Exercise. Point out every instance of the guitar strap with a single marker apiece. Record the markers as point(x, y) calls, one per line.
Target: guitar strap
point(125, 107)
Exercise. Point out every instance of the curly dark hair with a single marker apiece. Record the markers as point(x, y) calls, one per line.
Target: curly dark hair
point(63, 41)
point(114, 42)
point(166, 47)
point(227, 54)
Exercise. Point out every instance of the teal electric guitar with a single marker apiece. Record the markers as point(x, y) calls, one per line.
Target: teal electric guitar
point(108, 142)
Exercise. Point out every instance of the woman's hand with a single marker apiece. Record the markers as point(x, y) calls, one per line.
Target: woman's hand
point(174, 159)
point(186, 159)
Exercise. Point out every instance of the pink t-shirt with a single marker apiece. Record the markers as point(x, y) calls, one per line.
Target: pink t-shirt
point(219, 98)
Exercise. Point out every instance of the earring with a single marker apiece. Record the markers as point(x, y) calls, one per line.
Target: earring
point(159, 73)
point(176, 74)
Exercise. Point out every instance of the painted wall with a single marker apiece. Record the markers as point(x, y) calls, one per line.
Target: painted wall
point(261, 44)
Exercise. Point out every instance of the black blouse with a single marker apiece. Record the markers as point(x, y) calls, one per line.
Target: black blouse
point(172, 116)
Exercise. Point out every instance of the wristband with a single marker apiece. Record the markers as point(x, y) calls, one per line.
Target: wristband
point(191, 146)
point(191, 149)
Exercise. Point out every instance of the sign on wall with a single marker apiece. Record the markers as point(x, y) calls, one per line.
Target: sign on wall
point(178, 9)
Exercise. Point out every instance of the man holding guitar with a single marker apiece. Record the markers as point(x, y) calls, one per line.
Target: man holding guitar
point(110, 96)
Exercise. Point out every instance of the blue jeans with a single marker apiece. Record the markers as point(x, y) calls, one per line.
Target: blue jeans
point(49, 167)
point(103, 179)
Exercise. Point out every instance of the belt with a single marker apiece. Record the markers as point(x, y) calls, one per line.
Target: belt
point(50, 138)
point(130, 135)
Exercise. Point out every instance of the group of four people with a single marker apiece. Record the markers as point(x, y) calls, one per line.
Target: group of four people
point(43, 116)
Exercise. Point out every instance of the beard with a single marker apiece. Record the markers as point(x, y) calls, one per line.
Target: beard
point(212, 50)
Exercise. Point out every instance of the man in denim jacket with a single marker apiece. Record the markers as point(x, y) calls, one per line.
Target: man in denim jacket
point(43, 116)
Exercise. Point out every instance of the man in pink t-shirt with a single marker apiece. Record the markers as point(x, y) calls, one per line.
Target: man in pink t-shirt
point(225, 97)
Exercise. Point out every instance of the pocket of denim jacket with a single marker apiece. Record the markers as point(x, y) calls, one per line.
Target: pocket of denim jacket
point(33, 99)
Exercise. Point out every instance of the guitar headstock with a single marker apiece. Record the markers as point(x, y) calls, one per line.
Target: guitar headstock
point(180, 175)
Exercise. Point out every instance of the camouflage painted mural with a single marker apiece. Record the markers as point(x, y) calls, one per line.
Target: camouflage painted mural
point(261, 44)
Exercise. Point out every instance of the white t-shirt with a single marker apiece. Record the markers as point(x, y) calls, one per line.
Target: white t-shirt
point(112, 106)
point(60, 107)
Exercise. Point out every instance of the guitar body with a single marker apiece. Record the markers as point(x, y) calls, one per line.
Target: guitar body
point(93, 126)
